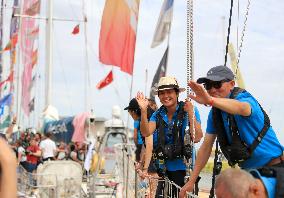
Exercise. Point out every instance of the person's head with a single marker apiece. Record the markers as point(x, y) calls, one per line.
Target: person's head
point(38, 136)
point(219, 81)
point(153, 104)
point(48, 135)
point(168, 91)
point(72, 147)
point(237, 183)
point(33, 142)
point(133, 109)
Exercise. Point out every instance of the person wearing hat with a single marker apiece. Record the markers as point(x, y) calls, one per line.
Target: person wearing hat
point(168, 126)
point(234, 182)
point(237, 120)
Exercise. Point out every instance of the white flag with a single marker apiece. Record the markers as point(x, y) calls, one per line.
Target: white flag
point(164, 22)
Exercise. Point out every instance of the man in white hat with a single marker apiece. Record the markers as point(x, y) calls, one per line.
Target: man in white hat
point(168, 126)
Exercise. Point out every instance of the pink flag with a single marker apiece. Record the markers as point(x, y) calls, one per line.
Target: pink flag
point(118, 33)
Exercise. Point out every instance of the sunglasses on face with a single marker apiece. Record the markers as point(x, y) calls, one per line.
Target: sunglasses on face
point(215, 84)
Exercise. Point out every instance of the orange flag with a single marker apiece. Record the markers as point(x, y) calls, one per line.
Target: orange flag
point(106, 81)
point(76, 29)
point(12, 43)
point(34, 58)
point(118, 33)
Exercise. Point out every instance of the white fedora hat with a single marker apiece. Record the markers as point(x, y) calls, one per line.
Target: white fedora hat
point(168, 83)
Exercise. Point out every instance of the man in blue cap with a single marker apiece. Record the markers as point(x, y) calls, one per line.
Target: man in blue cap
point(237, 120)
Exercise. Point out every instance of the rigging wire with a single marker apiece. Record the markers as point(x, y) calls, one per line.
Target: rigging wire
point(242, 36)
point(229, 30)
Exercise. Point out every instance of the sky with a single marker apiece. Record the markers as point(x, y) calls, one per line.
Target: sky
point(261, 60)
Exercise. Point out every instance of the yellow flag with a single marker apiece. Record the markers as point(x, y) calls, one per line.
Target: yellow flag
point(237, 72)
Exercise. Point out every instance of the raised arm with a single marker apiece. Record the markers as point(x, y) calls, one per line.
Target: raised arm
point(147, 128)
point(230, 106)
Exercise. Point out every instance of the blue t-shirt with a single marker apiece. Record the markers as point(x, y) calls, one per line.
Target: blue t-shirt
point(268, 182)
point(171, 165)
point(139, 135)
point(249, 127)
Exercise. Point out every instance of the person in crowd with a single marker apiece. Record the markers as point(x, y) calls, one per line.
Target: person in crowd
point(10, 129)
point(48, 148)
point(73, 153)
point(61, 151)
point(168, 126)
point(237, 120)
point(8, 176)
point(234, 182)
point(146, 164)
point(33, 156)
point(38, 137)
point(20, 153)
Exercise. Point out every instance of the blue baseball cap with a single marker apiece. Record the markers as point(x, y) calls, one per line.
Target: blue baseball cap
point(217, 73)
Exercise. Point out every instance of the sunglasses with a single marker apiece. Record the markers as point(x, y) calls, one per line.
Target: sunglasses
point(215, 84)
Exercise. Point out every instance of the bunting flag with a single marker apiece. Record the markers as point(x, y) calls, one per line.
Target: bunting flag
point(9, 79)
point(6, 100)
point(106, 81)
point(118, 34)
point(76, 29)
point(161, 72)
point(12, 43)
point(32, 105)
point(164, 23)
point(32, 82)
point(6, 122)
point(33, 9)
point(34, 58)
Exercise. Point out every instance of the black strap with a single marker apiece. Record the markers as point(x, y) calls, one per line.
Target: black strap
point(262, 133)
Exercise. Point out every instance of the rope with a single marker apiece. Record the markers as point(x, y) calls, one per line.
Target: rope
point(242, 37)
point(229, 30)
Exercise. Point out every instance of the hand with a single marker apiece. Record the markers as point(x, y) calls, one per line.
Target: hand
point(188, 187)
point(200, 94)
point(143, 174)
point(142, 101)
point(188, 107)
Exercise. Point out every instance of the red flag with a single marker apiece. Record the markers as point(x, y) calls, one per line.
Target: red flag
point(118, 34)
point(76, 29)
point(10, 77)
point(106, 81)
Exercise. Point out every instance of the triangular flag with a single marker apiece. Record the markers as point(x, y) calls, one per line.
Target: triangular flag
point(164, 22)
point(10, 77)
point(34, 58)
point(12, 43)
point(76, 29)
point(161, 72)
point(32, 105)
point(107, 80)
point(33, 9)
point(6, 122)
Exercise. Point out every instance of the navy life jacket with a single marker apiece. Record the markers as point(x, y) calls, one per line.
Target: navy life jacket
point(238, 151)
point(278, 173)
point(176, 149)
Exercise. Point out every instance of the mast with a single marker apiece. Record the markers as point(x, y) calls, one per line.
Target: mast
point(1, 37)
point(49, 53)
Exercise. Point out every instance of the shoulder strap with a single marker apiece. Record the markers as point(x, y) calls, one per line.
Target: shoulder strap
point(265, 128)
